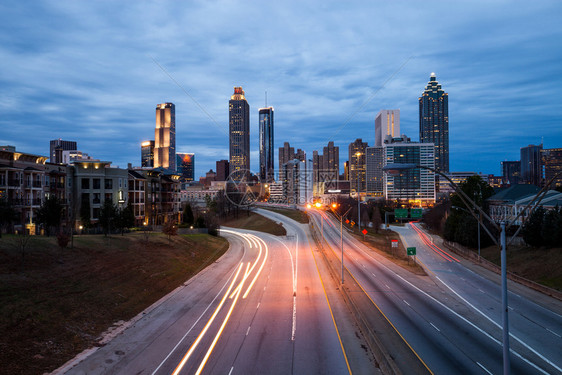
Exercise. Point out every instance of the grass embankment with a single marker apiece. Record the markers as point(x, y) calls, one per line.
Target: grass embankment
point(59, 303)
point(381, 243)
point(253, 221)
point(297, 215)
point(543, 266)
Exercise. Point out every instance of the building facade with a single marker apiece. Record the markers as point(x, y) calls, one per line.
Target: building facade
point(165, 137)
point(223, 170)
point(415, 186)
point(434, 121)
point(147, 154)
point(374, 172)
point(185, 166)
point(57, 146)
point(267, 166)
point(552, 165)
point(239, 130)
point(531, 165)
point(357, 165)
point(387, 122)
point(297, 186)
point(511, 172)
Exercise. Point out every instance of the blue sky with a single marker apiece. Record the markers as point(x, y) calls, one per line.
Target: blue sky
point(88, 71)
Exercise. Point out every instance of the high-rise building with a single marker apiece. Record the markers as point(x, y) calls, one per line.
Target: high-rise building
point(374, 172)
point(223, 170)
point(57, 146)
point(267, 167)
point(417, 185)
point(552, 164)
point(326, 168)
point(297, 186)
point(185, 166)
point(511, 172)
point(434, 122)
point(387, 122)
point(165, 136)
point(286, 154)
point(357, 165)
point(147, 154)
point(239, 125)
point(531, 166)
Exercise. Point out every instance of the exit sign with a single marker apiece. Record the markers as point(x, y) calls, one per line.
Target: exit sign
point(411, 251)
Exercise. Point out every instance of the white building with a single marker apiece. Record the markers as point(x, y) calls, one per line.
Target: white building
point(387, 122)
point(297, 185)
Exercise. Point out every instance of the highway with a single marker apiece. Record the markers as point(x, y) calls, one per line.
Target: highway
point(260, 309)
point(450, 317)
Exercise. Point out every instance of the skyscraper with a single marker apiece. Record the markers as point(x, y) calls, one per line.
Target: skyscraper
point(223, 170)
point(266, 144)
point(552, 164)
point(147, 154)
point(186, 165)
point(511, 172)
point(239, 125)
point(57, 146)
point(434, 122)
point(357, 164)
point(165, 136)
point(374, 172)
point(387, 122)
point(531, 165)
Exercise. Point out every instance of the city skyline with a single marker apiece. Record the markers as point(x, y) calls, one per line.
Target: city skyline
point(78, 81)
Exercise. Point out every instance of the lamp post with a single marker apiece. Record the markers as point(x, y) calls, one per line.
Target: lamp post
point(504, 225)
point(357, 154)
point(341, 234)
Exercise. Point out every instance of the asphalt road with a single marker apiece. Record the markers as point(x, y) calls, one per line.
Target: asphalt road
point(452, 329)
point(260, 309)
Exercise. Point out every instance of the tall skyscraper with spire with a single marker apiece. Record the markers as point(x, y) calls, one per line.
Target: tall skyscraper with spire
point(165, 137)
point(239, 125)
point(434, 121)
point(266, 144)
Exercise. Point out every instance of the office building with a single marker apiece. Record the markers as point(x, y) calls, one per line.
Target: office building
point(531, 165)
point(387, 122)
point(357, 165)
point(165, 137)
point(297, 186)
point(374, 172)
point(147, 154)
point(415, 186)
point(434, 122)
point(223, 170)
point(267, 167)
point(57, 146)
point(286, 154)
point(552, 164)
point(511, 172)
point(326, 169)
point(185, 166)
point(239, 130)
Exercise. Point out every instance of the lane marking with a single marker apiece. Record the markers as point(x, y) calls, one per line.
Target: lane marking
point(554, 333)
point(484, 368)
point(248, 330)
point(433, 325)
point(258, 305)
point(406, 302)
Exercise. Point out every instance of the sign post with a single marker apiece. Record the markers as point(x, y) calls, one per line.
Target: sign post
point(411, 251)
point(394, 244)
point(364, 231)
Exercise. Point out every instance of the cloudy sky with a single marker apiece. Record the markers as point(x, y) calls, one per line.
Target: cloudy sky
point(93, 72)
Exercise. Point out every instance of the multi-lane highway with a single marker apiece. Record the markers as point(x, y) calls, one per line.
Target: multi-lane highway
point(451, 318)
point(260, 309)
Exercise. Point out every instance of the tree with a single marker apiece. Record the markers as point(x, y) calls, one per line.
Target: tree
point(7, 215)
point(170, 229)
point(50, 214)
point(85, 211)
point(376, 219)
point(532, 229)
point(125, 218)
point(550, 227)
point(188, 214)
point(108, 216)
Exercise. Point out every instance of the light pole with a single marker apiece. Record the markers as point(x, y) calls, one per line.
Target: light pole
point(357, 154)
point(341, 234)
point(504, 225)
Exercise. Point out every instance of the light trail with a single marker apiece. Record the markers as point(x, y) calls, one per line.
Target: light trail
point(259, 270)
point(219, 333)
point(200, 337)
point(432, 246)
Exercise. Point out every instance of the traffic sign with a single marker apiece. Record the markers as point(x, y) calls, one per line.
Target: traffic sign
point(394, 243)
point(347, 221)
point(401, 213)
point(416, 213)
point(364, 231)
point(411, 251)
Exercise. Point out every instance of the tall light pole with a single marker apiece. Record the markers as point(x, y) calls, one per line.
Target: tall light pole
point(469, 203)
point(341, 234)
point(357, 154)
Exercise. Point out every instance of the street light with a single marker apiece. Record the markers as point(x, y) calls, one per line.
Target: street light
point(341, 233)
point(357, 154)
point(502, 243)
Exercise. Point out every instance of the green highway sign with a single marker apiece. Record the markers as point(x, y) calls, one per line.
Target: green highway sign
point(401, 213)
point(416, 213)
point(411, 251)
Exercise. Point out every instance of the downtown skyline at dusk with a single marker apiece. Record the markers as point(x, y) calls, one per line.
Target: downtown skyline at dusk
point(93, 73)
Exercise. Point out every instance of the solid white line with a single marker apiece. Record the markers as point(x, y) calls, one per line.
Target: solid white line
point(433, 325)
point(500, 327)
point(248, 331)
point(387, 285)
point(481, 291)
point(230, 372)
point(406, 302)
point(554, 333)
point(258, 305)
point(373, 274)
point(485, 369)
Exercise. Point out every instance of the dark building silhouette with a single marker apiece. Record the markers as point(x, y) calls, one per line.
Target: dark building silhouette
point(552, 164)
point(57, 146)
point(267, 166)
point(239, 126)
point(511, 172)
point(223, 170)
point(434, 122)
point(357, 164)
point(531, 165)
point(185, 166)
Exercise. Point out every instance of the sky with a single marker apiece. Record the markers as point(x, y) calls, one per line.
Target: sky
point(94, 71)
